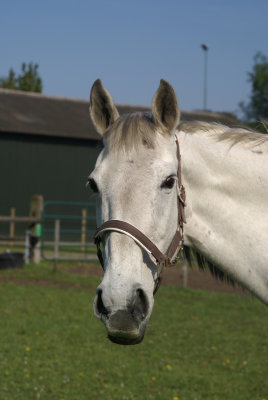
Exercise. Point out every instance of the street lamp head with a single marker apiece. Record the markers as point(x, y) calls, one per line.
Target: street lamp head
point(204, 47)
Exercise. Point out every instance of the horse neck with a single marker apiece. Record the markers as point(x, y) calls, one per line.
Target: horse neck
point(226, 196)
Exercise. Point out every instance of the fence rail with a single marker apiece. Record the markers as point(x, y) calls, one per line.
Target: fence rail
point(8, 218)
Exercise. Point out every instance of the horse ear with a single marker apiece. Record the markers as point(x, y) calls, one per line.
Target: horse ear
point(102, 109)
point(165, 107)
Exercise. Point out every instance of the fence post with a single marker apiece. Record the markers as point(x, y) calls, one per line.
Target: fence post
point(12, 225)
point(83, 228)
point(56, 242)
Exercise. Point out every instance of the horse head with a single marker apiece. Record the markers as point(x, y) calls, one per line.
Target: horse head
point(135, 180)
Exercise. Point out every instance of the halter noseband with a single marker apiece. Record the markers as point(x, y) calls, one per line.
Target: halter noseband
point(176, 244)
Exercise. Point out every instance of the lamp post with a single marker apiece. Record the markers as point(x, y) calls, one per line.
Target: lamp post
point(205, 48)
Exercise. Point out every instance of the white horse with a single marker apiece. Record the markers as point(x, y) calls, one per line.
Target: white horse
point(225, 174)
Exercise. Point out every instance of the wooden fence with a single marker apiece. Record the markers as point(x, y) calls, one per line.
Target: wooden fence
point(30, 221)
point(12, 220)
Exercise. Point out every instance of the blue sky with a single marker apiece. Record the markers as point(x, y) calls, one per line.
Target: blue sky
point(130, 45)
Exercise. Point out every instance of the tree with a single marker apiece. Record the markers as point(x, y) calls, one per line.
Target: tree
point(9, 82)
point(28, 80)
point(257, 108)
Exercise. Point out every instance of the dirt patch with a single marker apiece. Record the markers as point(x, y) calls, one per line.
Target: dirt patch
point(199, 279)
point(196, 279)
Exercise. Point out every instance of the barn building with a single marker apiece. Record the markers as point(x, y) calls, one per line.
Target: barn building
point(48, 146)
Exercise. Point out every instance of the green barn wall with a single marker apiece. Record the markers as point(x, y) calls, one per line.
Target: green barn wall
point(56, 168)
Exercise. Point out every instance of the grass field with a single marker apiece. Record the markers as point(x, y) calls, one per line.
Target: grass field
point(199, 345)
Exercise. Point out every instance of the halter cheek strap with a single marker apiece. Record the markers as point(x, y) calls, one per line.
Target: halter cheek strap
point(162, 260)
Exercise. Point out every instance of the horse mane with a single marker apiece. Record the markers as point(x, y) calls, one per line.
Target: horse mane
point(223, 133)
point(135, 129)
point(193, 258)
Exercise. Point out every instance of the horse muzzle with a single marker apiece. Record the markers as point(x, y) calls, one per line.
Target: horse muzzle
point(124, 326)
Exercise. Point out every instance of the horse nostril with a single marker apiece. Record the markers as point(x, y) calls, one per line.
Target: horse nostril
point(100, 308)
point(141, 305)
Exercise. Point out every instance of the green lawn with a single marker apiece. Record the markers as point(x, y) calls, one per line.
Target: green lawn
point(198, 345)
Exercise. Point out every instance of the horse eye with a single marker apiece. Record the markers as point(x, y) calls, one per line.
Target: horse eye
point(168, 183)
point(92, 184)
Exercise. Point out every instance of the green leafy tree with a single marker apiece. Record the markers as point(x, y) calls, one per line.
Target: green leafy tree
point(10, 81)
point(257, 108)
point(28, 80)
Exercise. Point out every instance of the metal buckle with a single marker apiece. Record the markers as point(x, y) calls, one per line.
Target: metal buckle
point(179, 255)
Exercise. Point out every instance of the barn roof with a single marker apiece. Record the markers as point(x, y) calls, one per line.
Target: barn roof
point(38, 114)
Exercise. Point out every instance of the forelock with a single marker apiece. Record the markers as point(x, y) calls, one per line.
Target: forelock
point(131, 131)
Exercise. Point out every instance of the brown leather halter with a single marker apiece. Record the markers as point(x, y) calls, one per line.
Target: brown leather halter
point(162, 259)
